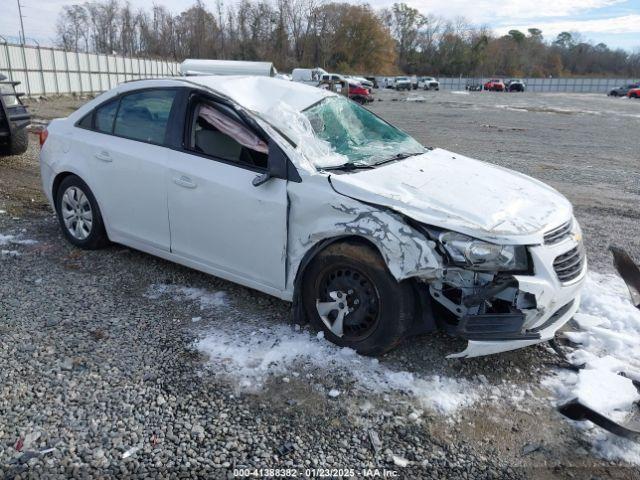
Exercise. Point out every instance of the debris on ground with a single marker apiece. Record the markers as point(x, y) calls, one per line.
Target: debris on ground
point(374, 439)
point(400, 462)
point(530, 448)
point(285, 448)
point(131, 451)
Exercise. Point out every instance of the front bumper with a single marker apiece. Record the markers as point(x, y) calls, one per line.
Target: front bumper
point(556, 303)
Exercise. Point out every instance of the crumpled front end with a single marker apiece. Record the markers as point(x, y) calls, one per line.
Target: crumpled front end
point(498, 312)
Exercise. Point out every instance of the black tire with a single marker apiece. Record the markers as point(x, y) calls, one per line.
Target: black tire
point(370, 331)
point(17, 145)
point(97, 236)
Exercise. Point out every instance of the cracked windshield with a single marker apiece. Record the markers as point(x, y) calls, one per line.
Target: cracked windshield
point(362, 137)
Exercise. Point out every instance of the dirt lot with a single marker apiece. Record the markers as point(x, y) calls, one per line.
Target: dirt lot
point(100, 357)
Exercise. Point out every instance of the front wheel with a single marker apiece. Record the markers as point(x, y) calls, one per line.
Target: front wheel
point(79, 214)
point(349, 294)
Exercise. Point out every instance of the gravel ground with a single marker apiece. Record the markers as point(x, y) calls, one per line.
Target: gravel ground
point(98, 349)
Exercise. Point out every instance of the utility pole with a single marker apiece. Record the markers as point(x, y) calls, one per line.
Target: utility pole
point(21, 22)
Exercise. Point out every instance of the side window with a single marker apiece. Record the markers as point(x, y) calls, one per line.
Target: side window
point(86, 121)
point(104, 116)
point(144, 115)
point(216, 134)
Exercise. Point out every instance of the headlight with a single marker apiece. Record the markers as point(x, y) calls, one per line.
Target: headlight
point(479, 255)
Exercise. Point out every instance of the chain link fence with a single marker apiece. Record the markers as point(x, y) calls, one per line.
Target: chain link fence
point(50, 71)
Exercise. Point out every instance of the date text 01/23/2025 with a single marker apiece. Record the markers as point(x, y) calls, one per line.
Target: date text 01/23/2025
point(315, 473)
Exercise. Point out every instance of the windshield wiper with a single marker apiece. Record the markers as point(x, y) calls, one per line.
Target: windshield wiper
point(361, 166)
point(349, 166)
point(396, 157)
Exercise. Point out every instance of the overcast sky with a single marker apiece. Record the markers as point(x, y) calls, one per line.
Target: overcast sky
point(615, 22)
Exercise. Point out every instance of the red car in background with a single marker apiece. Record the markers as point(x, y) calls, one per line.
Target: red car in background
point(359, 94)
point(494, 85)
point(634, 93)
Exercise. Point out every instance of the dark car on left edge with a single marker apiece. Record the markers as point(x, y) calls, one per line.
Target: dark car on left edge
point(14, 119)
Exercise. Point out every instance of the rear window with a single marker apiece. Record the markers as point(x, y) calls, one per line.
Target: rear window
point(143, 116)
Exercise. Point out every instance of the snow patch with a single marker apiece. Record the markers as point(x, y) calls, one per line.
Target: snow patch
point(7, 239)
point(460, 92)
point(204, 297)
point(9, 253)
point(249, 350)
point(609, 343)
point(249, 357)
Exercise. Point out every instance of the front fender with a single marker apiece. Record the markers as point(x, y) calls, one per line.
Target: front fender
point(314, 223)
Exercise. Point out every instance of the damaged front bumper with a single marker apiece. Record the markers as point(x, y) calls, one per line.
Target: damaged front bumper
point(534, 306)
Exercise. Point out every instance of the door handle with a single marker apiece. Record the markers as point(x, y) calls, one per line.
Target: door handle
point(184, 181)
point(104, 156)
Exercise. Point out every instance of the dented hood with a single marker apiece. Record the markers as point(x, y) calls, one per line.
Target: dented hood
point(454, 192)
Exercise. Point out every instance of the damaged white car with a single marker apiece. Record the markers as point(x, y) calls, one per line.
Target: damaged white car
point(305, 195)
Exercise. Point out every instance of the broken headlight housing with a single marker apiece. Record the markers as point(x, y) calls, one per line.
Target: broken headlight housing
point(479, 255)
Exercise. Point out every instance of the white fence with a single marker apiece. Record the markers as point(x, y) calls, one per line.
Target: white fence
point(49, 71)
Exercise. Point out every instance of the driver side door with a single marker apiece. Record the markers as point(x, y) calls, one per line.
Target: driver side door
point(218, 219)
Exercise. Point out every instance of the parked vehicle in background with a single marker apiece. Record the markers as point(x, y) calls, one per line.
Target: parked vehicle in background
point(360, 94)
point(402, 83)
point(388, 82)
point(634, 93)
point(373, 80)
point(414, 82)
point(302, 194)
point(310, 76)
point(515, 85)
point(623, 89)
point(332, 77)
point(361, 80)
point(494, 85)
point(14, 119)
point(428, 83)
point(474, 86)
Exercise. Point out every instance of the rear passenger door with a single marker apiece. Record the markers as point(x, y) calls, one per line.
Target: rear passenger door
point(129, 161)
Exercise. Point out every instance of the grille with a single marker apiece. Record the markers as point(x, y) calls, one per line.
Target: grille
point(569, 265)
point(558, 234)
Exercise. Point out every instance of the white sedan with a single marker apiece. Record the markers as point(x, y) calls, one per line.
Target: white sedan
point(305, 195)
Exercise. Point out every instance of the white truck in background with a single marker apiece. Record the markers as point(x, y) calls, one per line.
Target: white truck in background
point(310, 76)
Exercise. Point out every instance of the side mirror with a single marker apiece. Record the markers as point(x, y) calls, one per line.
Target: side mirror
point(262, 178)
point(278, 166)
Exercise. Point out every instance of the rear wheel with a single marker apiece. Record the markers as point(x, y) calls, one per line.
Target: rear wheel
point(79, 214)
point(18, 143)
point(349, 294)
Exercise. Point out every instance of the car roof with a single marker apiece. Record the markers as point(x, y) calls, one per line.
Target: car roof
point(259, 94)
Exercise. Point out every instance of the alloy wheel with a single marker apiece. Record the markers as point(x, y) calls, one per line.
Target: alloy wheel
point(76, 213)
point(348, 303)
